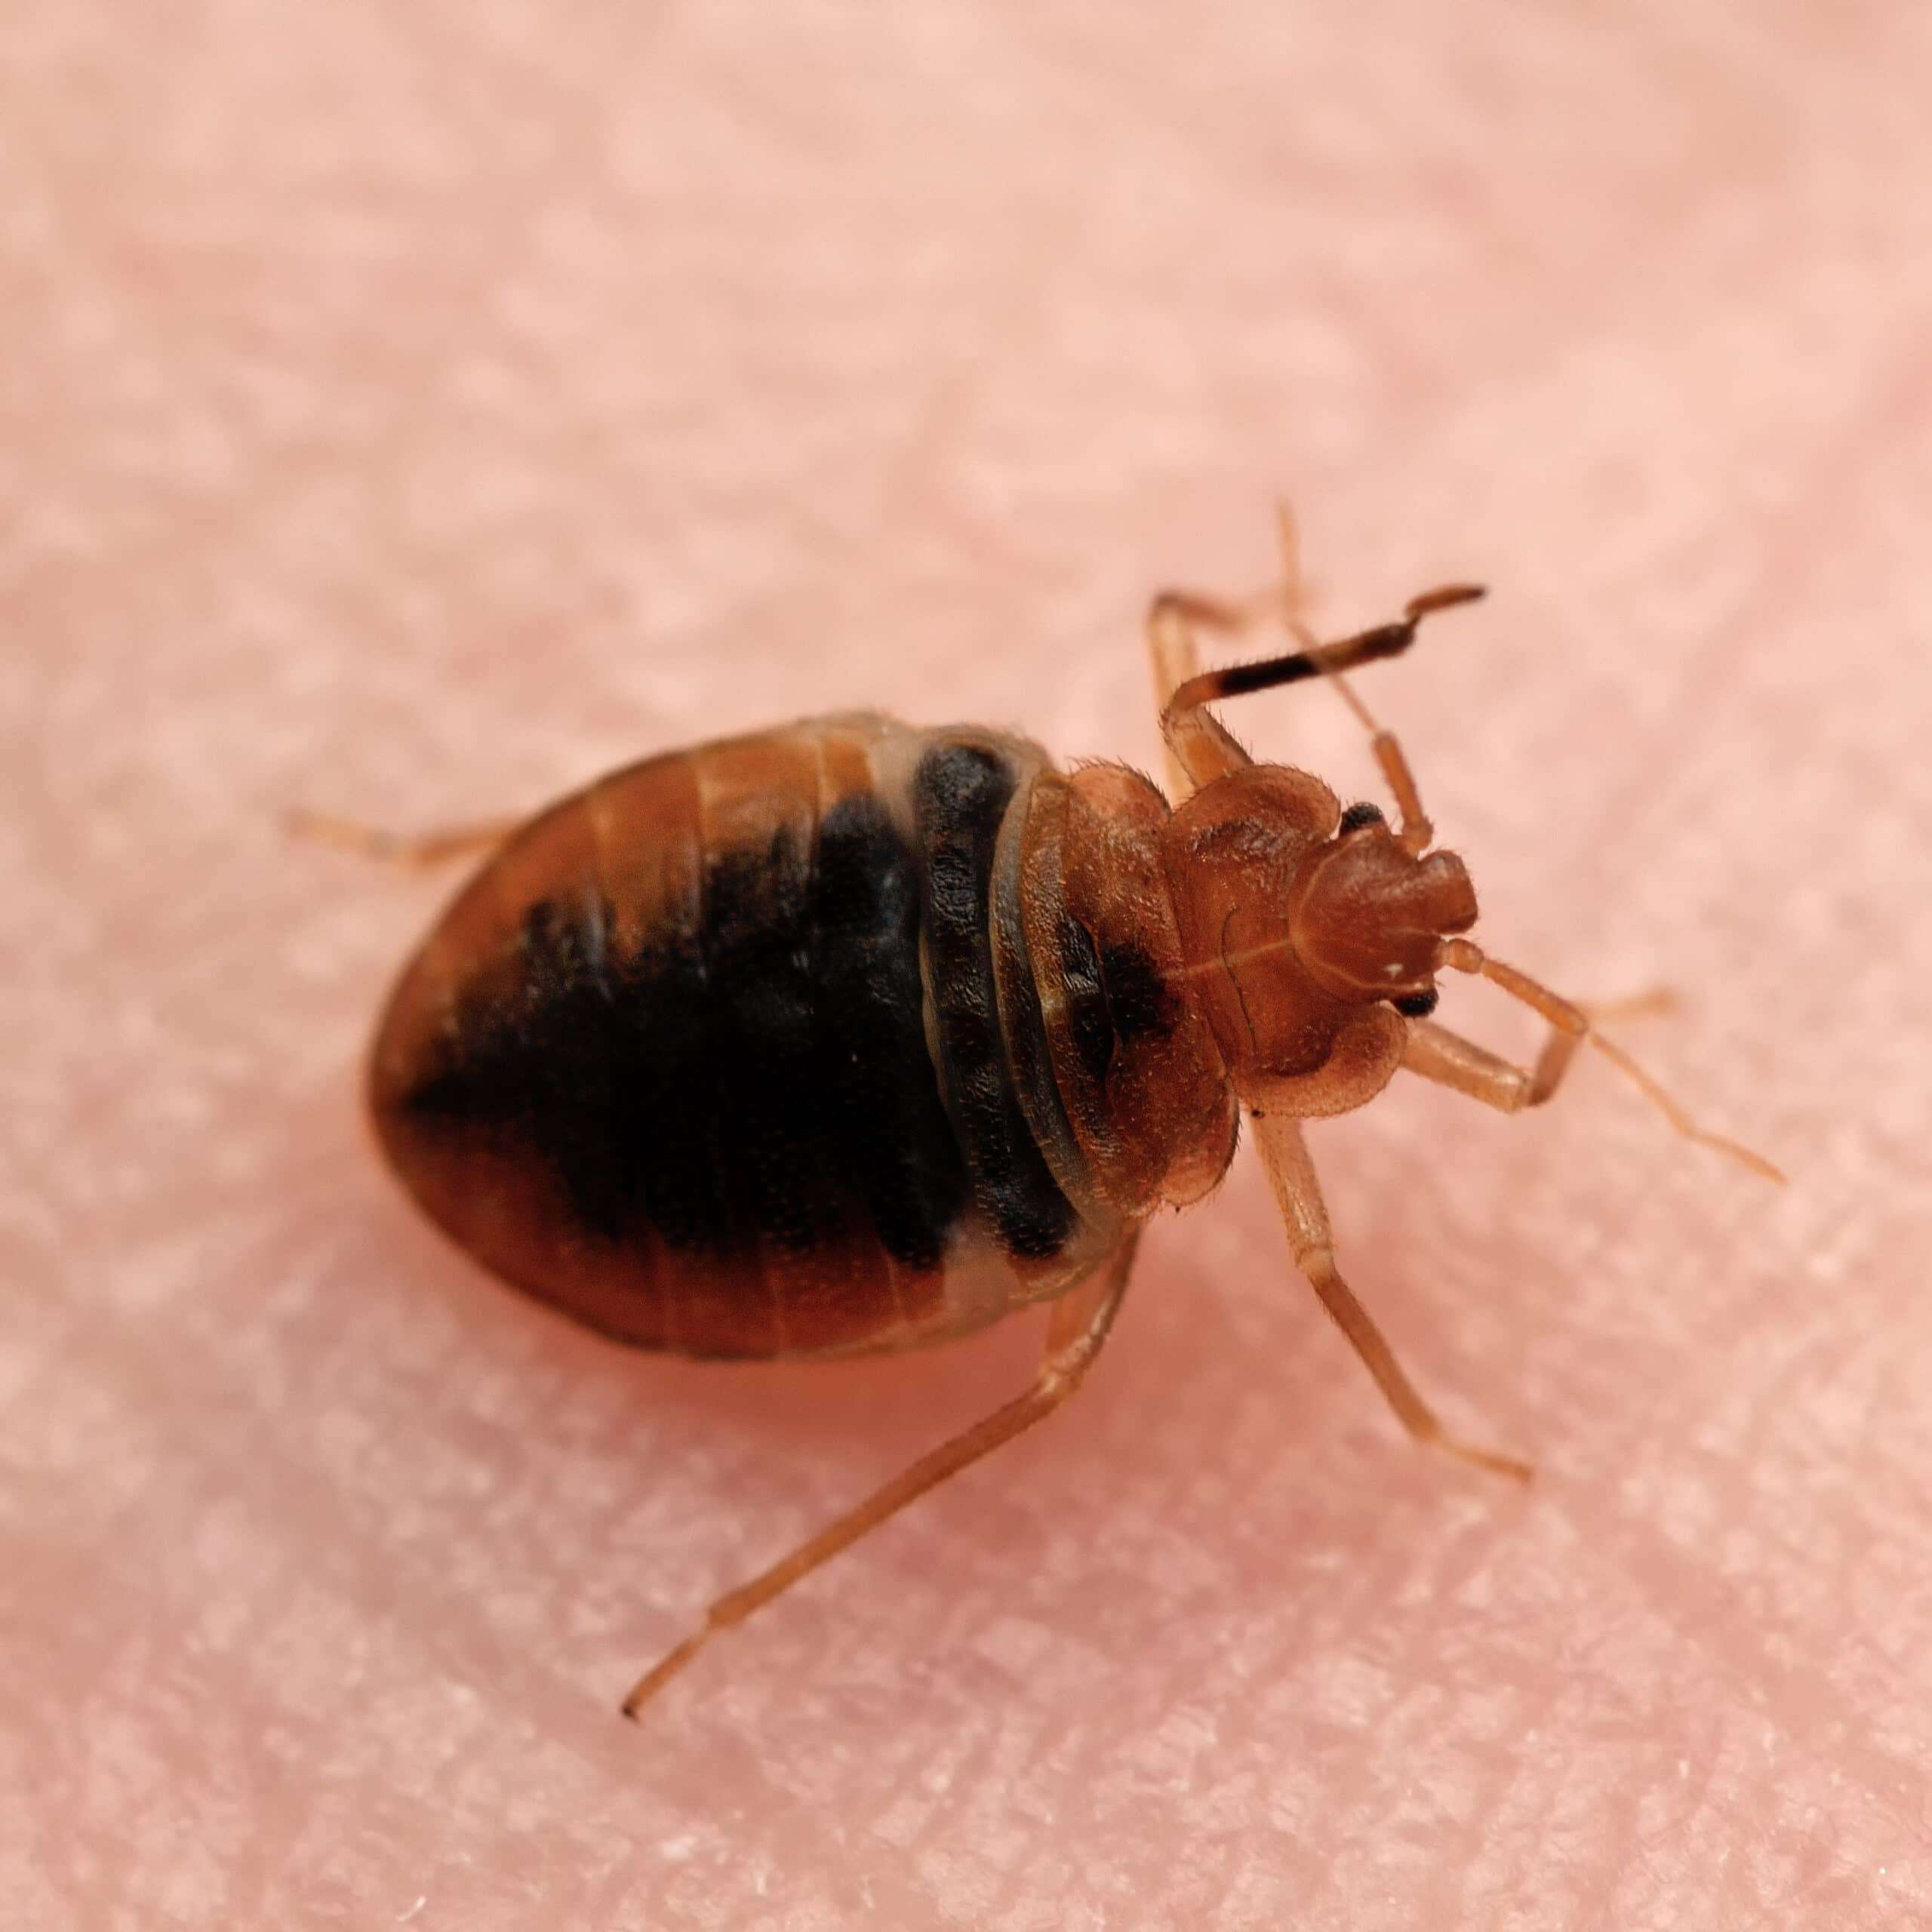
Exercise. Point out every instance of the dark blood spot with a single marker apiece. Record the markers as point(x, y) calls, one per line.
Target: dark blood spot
point(1087, 1018)
point(1137, 996)
point(881, 1095)
point(960, 793)
point(767, 1076)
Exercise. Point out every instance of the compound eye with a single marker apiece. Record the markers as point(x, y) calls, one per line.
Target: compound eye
point(1356, 816)
point(1416, 1006)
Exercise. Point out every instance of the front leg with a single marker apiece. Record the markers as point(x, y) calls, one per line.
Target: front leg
point(1199, 748)
point(1450, 1060)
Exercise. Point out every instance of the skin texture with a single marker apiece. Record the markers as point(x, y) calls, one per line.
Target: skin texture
point(410, 411)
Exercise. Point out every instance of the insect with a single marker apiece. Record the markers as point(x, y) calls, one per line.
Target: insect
point(847, 1036)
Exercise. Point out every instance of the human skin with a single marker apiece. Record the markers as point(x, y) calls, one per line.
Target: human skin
point(409, 413)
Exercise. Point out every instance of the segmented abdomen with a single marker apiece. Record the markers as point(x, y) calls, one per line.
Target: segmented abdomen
point(740, 1051)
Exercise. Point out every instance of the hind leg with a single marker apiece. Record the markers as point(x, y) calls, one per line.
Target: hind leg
point(1078, 1327)
point(407, 851)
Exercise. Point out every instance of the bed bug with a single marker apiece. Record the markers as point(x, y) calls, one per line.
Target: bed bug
point(849, 1036)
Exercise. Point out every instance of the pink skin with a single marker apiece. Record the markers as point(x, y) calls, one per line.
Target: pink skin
point(411, 412)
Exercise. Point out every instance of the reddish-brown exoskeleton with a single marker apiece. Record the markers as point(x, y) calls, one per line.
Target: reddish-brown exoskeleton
point(848, 1036)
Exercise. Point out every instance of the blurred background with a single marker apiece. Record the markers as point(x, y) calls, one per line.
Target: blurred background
point(408, 412)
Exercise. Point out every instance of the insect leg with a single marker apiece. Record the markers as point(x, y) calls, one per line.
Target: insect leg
point(1446, 1058)
point(409, 852)
point(1298, 1194)
point(1198, 746)
point(1193, 740)
point(1450, 1060)
point(1078, 1325)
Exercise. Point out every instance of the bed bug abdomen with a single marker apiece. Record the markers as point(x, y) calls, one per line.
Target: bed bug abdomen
point(712, 1055)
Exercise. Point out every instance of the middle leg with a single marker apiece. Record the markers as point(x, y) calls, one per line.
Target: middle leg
point(1298, 1194)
